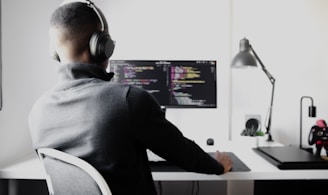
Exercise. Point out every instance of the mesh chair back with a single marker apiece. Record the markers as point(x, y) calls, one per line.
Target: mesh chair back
point(67, 174)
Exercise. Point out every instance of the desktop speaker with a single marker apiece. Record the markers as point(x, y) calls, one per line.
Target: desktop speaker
point(252, 125)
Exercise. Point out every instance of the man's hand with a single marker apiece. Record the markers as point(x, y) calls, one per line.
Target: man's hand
point(224, 159)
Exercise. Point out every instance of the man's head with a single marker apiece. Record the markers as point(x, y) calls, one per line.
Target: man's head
point(79, 33)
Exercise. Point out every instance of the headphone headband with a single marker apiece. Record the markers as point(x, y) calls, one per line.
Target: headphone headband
point(89, 4)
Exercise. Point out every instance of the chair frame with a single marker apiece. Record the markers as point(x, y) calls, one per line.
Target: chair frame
point(68, 158)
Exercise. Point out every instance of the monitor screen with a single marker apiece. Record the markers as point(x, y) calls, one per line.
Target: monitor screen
point(175, 84)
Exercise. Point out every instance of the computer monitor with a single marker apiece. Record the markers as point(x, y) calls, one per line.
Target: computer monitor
point(175, 84)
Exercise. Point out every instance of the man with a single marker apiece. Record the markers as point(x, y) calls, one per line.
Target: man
point(109, 125)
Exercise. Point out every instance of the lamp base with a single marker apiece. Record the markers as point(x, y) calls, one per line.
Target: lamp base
point(269, 139)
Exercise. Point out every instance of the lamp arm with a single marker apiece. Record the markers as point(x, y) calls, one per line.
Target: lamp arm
point(268, 127)
point(272, 80)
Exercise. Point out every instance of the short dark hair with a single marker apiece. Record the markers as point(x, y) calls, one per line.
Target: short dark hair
point(77, 21)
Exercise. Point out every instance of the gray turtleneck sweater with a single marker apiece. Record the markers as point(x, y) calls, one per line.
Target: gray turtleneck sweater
point(111, 125)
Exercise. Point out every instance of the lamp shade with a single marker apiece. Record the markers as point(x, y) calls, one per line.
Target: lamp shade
point(245, 57)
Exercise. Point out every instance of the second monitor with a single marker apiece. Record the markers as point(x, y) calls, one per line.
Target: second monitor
point(175, 84)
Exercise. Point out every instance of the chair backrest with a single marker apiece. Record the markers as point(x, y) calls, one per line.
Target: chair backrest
point(68, 174)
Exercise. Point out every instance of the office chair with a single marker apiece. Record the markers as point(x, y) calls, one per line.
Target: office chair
point(67, 174)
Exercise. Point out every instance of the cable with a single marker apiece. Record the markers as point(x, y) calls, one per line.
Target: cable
point(160, 188)
point(195, 187)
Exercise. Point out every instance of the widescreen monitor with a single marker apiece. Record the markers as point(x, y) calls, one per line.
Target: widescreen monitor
point(175, 84)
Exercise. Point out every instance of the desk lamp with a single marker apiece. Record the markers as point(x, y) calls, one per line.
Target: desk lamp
point(312, 113)
point(247, 57)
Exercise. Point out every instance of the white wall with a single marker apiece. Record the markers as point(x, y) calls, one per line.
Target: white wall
point(289, 36)
point(27, 70)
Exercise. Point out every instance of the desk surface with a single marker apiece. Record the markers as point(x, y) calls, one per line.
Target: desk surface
point(30, 167)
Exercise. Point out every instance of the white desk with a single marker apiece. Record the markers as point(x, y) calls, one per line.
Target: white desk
point(29, 167)
point(261, 169)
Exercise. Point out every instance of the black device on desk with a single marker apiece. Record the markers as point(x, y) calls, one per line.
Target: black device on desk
point(165, 166)
point(291, 157)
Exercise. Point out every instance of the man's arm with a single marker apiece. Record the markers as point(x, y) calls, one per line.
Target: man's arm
point(166, 140)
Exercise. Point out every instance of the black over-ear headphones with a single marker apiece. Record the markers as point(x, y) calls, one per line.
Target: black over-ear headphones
point(100, 44)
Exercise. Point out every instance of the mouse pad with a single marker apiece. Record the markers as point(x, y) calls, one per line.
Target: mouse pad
point(165, 166)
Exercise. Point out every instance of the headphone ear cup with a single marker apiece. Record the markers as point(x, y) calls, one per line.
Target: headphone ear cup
point(101, 46)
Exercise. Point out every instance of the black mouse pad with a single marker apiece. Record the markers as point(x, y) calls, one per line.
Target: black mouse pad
point(165, 166)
